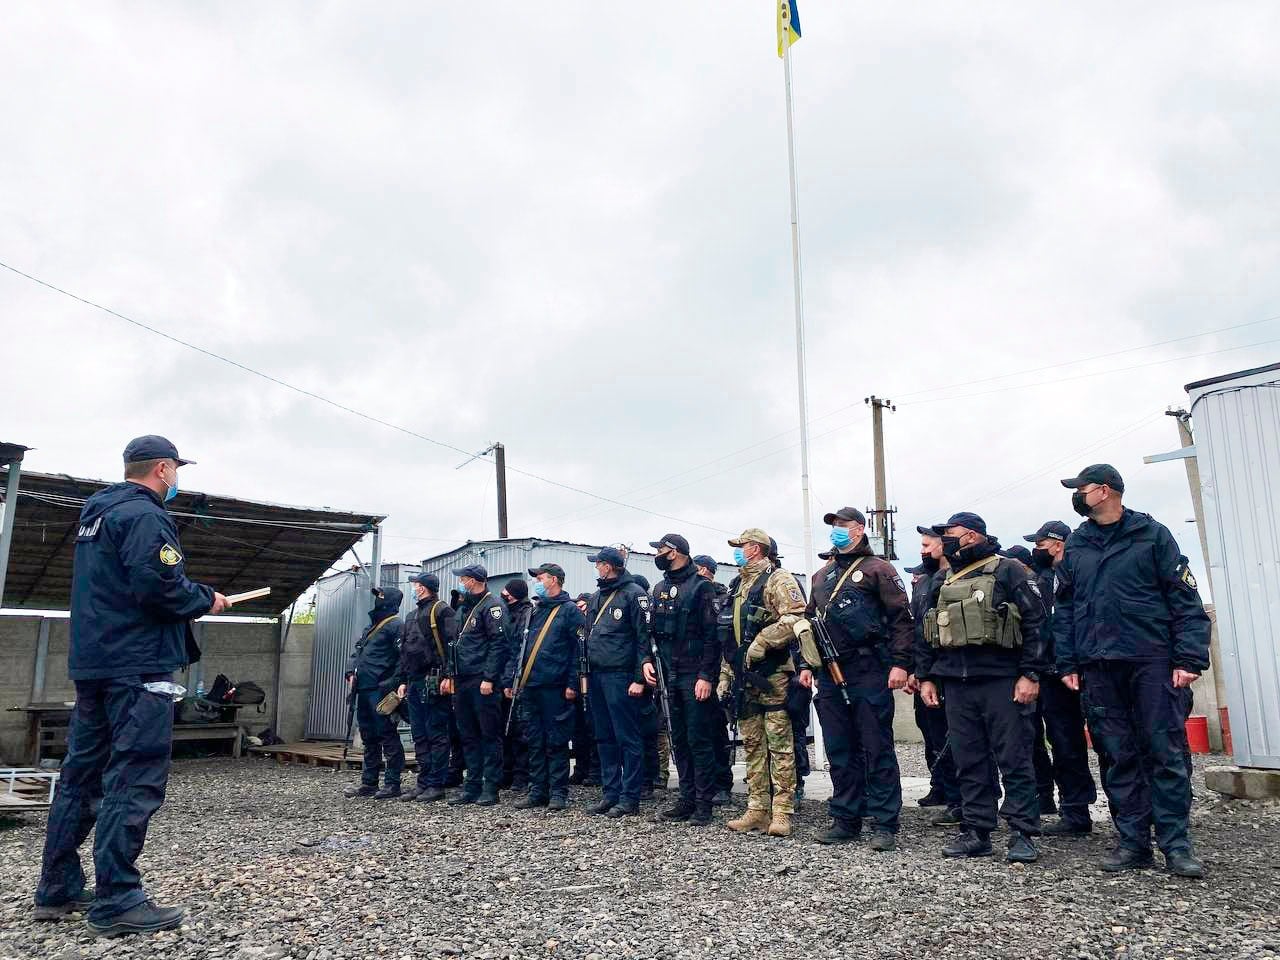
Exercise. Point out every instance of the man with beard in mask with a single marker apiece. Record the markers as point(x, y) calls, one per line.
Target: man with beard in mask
point(371, 675)
point(764, 615)
point(480, 654)
point(984, 646)
point(1058, 709)
point(617, 641)
point(944, 788)
point(428, 632)
point(684, 629)
point(863, 603)
point(515, 755)
point(718, 717)
point(542, 686)
point(1131, 636)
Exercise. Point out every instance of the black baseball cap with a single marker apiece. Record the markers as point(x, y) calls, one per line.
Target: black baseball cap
point(428, 580)
point(963, 519)
point(926, 532)
point(610, 555)
point(152, 447)
point(1017, 552)
point(703, 560)
point(845, 513)
point(1101, 473)
point(673, 540)
point(1053, 530)
point(473, 570)
point(554, 569)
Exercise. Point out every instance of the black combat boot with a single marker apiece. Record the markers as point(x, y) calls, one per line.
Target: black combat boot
point(946, 817)
point(682, 810)
point(842, 831)
point(1184, 863)
point(1021, 849)
point(933, 798)
point(701, 815)
point(1126, 858)
point(408, 796)
point(488, 797)
point(529, 802)
point(57, 911)
point(146, 917)
point(364, 790)
point(388, 792)
point(624, 809)
point(603, 807)
point(1063, 827)
point(463, 799)
point(721, 798)
point(970, 843)
point(558, 802)
point(430, 795)
point(883, 841)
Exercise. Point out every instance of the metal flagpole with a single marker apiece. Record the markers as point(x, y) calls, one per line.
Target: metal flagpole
point(819, 746)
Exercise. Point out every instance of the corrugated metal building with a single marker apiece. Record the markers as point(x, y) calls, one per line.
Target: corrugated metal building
point(343, 602)
point(1237, 445)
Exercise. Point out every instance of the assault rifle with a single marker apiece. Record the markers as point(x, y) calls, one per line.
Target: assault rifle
point(830, 659)
point(515, 681)
point(351, 720)
point(664, 696)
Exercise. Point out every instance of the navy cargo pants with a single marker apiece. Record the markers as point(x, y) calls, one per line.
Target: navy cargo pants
point(381, 741)
point(865, 780)
point(480, 727)
point(1064, 725)
point(1138, 721)
point(937, 752)
point(429, 720)
point(616, 718)
point(546, 723)
point(115, 773)
point(692, 748)
point(985, 722)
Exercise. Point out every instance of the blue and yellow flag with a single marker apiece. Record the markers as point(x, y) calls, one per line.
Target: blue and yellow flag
point(788, 25)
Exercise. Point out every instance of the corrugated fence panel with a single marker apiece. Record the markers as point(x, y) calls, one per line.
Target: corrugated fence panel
point(1237, 425)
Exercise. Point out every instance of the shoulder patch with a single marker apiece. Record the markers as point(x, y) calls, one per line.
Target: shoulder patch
point(495, 612)
point(643, 600)
point(898, 581)
point(169, 556)
point(1035, 587)
point(1186, 576)
point(795, 595)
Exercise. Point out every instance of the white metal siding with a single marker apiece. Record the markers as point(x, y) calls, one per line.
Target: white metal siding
point(1237, 432)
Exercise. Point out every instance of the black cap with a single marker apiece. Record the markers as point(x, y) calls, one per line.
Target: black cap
point(845, 513)
point(554, 569)
point(152, 447)
point(609, 555)
point(673, 540)
point(1053, 530)
point(703, 560)
point(964, 519)
point(517, 588)
point(926, 532)
point(428, 580)
point(473, 570)
point(1103, 473)
point(1017, 552)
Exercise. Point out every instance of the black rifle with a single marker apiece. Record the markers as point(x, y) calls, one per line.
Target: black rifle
point(743, 677)
point(664, 697)
point(584, 670)
point(351, 719)
point(830, 658)
point(515, 680)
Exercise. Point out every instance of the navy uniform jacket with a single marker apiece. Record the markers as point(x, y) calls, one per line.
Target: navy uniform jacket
point(377, 654)
point(481, 647)
point(557, 662)
point(419, 654)
point(131, 602)
point(1127, 594)
point(618, 627)
point(697, 651)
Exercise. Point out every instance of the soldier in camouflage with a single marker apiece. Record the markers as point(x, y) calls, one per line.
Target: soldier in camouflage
point(757, 626)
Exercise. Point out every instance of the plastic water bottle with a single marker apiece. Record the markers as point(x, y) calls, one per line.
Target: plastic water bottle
point(166, 688)
point(200, 688)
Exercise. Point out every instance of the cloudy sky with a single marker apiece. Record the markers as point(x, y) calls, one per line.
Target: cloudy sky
point(565, 227)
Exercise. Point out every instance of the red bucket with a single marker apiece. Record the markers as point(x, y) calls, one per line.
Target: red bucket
point(1198, 734)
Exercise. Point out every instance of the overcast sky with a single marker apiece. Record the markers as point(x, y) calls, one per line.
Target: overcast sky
point(565, 227)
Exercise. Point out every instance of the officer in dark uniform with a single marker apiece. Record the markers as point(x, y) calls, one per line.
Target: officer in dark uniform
point(862, 602)
point(719, 716)
point(944, 788)
point(1058, 710)
point(586, 762)
point(983, 644)
point(617, 639)
point(1131, 636)
point(684, 627)
point(372, 672)
point(479, 656)
point(428, 632)
point(1041, 760)
point(515, 755)
point(131, 609)
point(543, 685)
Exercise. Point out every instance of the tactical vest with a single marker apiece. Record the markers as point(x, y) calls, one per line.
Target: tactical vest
point(672, 606)
point(857, 613)
point(747, 619)
point(966, 615)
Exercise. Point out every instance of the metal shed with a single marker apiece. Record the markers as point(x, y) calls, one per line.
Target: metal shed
point(1237, 420)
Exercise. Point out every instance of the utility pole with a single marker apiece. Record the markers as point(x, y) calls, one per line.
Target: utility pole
point(881, 515)
point(11, 457)
point(500, 462)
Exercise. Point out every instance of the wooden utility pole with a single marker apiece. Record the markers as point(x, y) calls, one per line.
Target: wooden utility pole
point(500, 463)
point(881, 520)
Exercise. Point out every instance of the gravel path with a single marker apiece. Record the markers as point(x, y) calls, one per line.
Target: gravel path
point(271, 864)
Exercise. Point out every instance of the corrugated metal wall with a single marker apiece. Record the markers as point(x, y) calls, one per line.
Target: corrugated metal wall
point(1237, 433)
point(343, 602)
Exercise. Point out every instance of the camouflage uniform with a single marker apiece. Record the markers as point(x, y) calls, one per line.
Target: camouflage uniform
point(766, 733)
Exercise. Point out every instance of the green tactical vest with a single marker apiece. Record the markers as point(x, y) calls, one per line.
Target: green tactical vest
point(966, 615)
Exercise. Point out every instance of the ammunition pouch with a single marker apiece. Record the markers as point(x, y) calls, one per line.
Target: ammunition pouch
point(967, 616)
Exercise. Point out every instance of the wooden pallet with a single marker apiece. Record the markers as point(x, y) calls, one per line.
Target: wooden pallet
point(25, 790)
point(318, 754)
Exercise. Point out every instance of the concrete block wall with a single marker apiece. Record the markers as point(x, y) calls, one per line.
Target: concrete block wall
point(241, 650)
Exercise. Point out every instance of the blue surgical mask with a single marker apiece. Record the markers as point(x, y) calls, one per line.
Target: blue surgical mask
point(840, 537)
point(739, 557)
point(172, 492)
point(540, 589)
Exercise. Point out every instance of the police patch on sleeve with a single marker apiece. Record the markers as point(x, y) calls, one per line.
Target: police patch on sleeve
point(1186, 576)
point(795, 595)
point(169, 556)
point(901, 586)
point(496, 612)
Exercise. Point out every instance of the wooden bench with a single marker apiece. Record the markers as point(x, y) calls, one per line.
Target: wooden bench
point(47, 730)
point(209, 731)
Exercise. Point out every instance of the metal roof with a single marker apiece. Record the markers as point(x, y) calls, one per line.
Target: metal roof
point(232, 545)
point(1226, 377)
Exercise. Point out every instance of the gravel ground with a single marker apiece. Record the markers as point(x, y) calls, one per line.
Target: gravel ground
point(271, 863)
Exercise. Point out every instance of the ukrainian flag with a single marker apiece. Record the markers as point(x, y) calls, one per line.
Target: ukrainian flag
point(788, 25)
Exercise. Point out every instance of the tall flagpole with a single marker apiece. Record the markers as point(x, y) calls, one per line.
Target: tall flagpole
point(801, 380)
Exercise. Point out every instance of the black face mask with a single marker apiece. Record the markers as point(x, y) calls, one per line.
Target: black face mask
point(950, 546)
point(1078, 504)
point(928, 563)
point(1041, 559)
point(663, 563)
